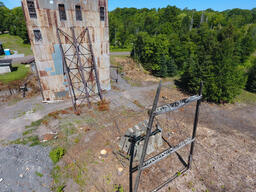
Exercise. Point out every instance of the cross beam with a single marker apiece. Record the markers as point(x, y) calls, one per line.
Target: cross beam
point(155, 111)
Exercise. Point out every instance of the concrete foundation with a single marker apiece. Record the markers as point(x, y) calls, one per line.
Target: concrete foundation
point(155, 141)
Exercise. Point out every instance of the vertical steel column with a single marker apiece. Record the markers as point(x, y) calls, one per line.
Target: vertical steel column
point(133, 142)
point(80, 66)
point(149, 128)
point(66, 71)
point(195, 127)
point(94, 65)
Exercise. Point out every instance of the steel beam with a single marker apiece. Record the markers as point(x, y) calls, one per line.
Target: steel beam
point(195, 126)
point(176, 105)
point(149, 128)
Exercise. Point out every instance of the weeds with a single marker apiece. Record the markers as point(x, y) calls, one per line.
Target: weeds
point(39, 174)
point(56, 175)
point(28, 131)
point(118, 188)
point(35, 123)
point(60, 188)
point(33, 140)
point(56, 154)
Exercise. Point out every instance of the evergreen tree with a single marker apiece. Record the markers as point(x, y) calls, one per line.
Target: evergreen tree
point(171, 67)
point(251, 82)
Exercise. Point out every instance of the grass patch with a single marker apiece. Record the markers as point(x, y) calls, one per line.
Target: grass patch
point(35, 123)
point(246, 97)
point(20, 74)
point(39, 174)
point(113, 49)
point(56, 154)
point(118, 188)
point(115, 63)
point(15, 43)
point(60, 188)
point(28, 132)
point(56, 175)
point(32, 141)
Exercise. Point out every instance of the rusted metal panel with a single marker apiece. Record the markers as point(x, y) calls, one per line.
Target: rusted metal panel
point(43, 73)
point(47, 21)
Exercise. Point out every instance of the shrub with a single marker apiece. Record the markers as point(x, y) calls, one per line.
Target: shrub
point(56, 154)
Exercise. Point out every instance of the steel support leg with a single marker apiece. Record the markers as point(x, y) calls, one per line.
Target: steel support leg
point(195, 127)
point(66, 72)
point(149, 128)
point(133, 142)
point(94, 65)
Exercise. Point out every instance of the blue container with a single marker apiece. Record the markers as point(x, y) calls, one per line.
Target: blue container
point(7, 52)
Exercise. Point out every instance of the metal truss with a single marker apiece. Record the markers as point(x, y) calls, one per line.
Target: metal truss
point(155, 111)
point(79, 66)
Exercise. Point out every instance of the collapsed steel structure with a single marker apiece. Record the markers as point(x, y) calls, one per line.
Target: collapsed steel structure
point(155, 111)
point(82, 77)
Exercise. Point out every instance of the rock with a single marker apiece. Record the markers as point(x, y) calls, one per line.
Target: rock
point(120, 171)
point(103, 153)
point(1, 179)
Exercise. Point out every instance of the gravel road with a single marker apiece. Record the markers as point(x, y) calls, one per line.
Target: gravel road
point(24, 168)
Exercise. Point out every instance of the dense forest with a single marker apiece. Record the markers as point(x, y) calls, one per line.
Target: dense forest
point(209, 46)
point(13, 21)
point(217, 48)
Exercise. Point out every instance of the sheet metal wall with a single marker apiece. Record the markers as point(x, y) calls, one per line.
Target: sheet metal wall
point(47, 53)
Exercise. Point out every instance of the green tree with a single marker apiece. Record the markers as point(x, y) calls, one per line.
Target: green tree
point(251, 82)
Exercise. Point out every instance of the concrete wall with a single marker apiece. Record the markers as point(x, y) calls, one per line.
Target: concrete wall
point(47, 51)
point(5, 69)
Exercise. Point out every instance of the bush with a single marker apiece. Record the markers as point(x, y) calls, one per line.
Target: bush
point(56, 154)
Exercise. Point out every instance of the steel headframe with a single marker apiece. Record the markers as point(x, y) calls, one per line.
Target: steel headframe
point(155, 111)
point(79, 66)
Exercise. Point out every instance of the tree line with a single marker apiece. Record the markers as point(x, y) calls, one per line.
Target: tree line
point(209, 46)
point(13, 21)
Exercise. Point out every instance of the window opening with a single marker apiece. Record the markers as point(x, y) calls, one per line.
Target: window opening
point(31, 9)
point(38, 35)
point(102, 13)
point(78, 13)
point(62, 12)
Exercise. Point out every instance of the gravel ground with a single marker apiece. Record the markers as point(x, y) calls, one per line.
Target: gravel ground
point(24, 168)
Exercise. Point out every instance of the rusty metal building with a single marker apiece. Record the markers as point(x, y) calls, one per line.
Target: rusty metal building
point(44, 18)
